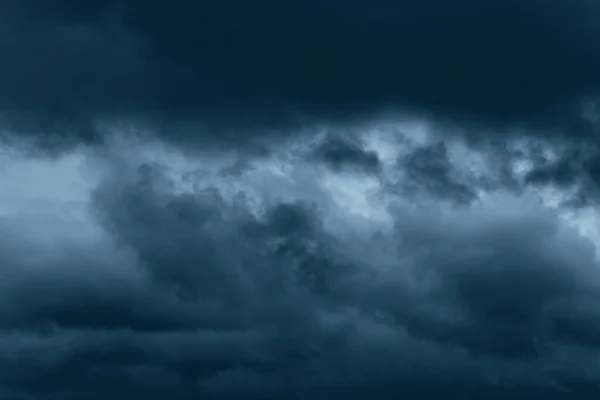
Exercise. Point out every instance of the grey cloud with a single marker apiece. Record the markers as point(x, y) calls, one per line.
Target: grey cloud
point(341, 154)
point(429, 169)
point(575, 168)
point(193, 294)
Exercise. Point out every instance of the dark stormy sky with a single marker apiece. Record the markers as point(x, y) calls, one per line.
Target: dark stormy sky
point(318, 199)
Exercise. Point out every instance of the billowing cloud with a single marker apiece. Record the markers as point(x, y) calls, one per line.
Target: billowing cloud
point(155, 274)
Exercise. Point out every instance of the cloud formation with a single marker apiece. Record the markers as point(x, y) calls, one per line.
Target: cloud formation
point(269, 285)
point(287, 200)
point(273, 64)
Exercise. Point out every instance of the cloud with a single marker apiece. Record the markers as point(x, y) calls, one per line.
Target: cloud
point(574, 169)
point(287, 280)
point(236, 66)
point(429, 168)
point(341, 153)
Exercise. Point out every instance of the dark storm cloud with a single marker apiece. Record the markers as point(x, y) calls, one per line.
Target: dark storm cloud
point(341, 153)
point(577, 169)
point(429, 169)
point(193, 295)
point(261, 63)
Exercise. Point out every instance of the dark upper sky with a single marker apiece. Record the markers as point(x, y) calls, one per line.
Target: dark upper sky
point(266, 62)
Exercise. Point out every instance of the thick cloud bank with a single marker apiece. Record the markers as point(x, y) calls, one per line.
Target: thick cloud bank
point(155, 274)
point(68, 64)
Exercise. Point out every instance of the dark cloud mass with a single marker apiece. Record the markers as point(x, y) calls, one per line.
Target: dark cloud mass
point(576, 168)
point(343, 154)
point(431, 169)
point(273, 200)
point(268, 62)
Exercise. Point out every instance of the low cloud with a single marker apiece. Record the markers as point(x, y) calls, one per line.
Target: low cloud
point(171, 287)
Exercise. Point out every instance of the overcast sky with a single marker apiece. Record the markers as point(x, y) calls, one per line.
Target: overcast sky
point(273, 200)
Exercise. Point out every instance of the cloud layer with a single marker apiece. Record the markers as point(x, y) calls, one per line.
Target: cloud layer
point(157, 275)
point(270, 63)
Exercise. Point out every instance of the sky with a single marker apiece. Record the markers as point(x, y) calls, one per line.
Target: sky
point(276, 200)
